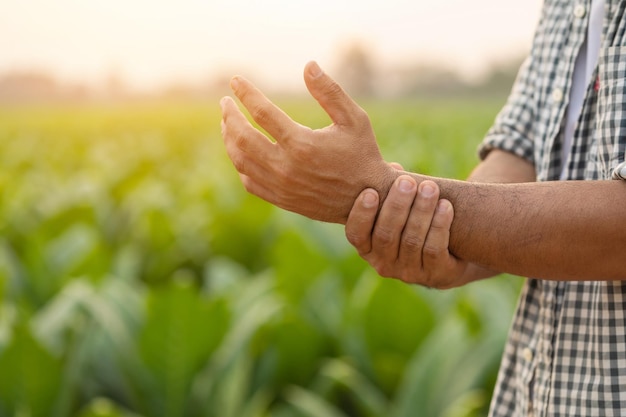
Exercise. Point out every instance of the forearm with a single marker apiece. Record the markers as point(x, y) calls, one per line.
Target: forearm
point(498, 167)
point(571, 230)
point(560, 230)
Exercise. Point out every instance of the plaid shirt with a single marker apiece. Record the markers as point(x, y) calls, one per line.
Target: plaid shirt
point(566, 353)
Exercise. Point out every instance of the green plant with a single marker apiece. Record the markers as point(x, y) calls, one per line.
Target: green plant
point(137, 278)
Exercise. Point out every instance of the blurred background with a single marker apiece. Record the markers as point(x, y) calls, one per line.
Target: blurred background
point(137, 278)
point(142, 49)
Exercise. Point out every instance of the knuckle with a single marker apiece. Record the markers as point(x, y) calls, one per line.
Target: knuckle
point(432, 252)
point(281, 194)
point(241, 142)
point(248, 184)
point(439, 285)
point(399, 204)
point(356, 239)
point(244, 94)
point(383, 237)
point(442, 221)
point(383, 270)
point(260, 114)
point(442, 279)
point(408, 277)
point(426, 206)
point(284, 175)
point(429, 282)
point(361, 117)
point(443, 285)
point(334, 90)
point(301, 152)
point(412, 242)
point(239, 162)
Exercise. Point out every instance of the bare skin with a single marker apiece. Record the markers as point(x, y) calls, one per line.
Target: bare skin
point(305, 166)
point(567, 230)
point(409, 238)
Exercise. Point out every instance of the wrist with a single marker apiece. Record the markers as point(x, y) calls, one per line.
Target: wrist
point(383, 182)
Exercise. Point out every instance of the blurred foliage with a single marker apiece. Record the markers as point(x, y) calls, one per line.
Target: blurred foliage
point(137, 278)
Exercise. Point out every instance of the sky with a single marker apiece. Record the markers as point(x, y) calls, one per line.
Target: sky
point(155, 42)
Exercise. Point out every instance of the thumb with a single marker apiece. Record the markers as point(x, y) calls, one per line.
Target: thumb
point(396, 166)
point(340, 107)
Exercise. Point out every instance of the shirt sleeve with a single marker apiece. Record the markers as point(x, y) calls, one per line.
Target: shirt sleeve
point(619, 173)
point(513, 129)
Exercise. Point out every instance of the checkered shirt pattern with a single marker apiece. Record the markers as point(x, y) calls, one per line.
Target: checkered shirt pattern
point(566, 352)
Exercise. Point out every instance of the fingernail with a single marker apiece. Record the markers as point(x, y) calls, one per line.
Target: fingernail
point(223, 103)
point(405, 186)
point(427, 190)
point(234, 84)
point(314, 69)
point(369, 200)
point(442, 206)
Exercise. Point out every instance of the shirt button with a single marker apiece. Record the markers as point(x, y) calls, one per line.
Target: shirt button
point(557, 95)
point(579, 11)
point(527, 354)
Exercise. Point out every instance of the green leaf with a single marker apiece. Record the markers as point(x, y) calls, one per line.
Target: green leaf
point(253, 306)
point(467, 405)
point(240, 230)
point(447, 366)
point(352, 337)
point(182, 330)
point(396, 320)
point(310, 404)
point(369, 397)
point(418, 389)
point(297, 263)
point(103, 407)
point(67, 251)
point(223, 275)
point(92, 327)
point(234, 395)
point(9, 270)
point(290, 351)
point(52, 322)
point(30, 376)
point(257, 405)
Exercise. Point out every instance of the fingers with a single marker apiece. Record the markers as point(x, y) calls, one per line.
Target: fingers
point(271, 118)
point(361, 221)
point(342, 110)
point(436, 253)
point(396, 166)
point(419, 222)
point(393, 217)
point(409, 238)
point(246, 146)
point(436, 244)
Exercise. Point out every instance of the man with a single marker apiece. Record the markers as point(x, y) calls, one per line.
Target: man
point(565, 119)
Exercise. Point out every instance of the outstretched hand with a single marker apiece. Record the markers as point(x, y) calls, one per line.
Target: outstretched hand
point(316, 173)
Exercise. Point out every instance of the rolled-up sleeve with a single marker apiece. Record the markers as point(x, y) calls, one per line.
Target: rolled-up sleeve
point(619, 173)
point(513, 128)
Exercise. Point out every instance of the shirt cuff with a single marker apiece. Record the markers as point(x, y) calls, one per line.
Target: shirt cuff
point(619, 173)
point(514, 144)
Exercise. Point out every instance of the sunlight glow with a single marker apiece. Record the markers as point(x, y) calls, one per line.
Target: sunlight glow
point(154, 42)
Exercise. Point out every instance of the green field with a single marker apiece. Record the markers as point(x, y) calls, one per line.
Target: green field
point(137, 278)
